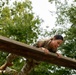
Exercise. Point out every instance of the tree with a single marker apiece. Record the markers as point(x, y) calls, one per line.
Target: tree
point(66, 20)
point(17, 21)
point(66, 23)
point(14, 22)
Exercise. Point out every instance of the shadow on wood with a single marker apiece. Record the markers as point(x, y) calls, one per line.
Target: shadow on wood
point(12, 46)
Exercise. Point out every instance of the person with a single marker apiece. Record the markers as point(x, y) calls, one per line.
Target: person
point(47, 46)
point(51, 44)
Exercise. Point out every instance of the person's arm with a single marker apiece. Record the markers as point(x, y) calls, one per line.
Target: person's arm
point(40, 45)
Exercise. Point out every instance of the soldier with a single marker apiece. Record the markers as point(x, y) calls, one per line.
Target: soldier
point(47, 46)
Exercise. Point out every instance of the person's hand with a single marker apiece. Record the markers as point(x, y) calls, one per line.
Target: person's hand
point(59, 55)
point(46, 51)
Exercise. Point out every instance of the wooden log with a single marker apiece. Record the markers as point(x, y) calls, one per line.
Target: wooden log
point(21, 49)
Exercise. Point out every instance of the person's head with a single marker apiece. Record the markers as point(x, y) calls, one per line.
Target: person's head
point(56, 41)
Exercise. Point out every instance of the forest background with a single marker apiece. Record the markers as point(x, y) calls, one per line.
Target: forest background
point(19, 22)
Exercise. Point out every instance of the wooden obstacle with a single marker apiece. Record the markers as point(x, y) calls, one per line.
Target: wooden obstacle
point(21, 49)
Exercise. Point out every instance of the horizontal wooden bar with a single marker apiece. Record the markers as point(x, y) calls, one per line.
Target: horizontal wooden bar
point(27, 51)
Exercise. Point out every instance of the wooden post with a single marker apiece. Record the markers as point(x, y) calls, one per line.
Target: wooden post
point(21, 49)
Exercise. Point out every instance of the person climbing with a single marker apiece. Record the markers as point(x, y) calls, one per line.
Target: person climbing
point(47, 46)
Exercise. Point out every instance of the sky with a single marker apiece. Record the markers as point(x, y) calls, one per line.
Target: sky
point(42, 8)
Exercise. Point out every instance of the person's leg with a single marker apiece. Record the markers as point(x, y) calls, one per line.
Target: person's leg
point(8, 62)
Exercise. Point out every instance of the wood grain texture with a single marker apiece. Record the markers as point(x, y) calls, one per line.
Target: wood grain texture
point(21, 49)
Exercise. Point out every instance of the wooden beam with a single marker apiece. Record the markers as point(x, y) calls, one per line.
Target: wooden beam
point(12, 46)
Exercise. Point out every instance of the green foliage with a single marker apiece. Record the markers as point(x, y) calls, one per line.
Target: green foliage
point(42, 69)
point(50, 69)
point(3, 57)
point(66, 20)
point(70, 44)
point(19, 23)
